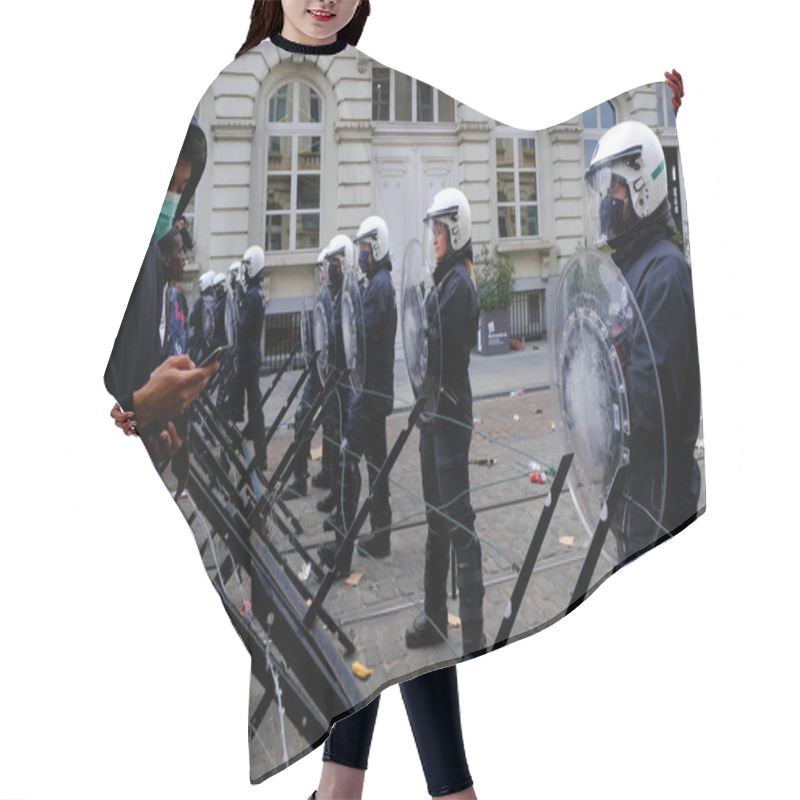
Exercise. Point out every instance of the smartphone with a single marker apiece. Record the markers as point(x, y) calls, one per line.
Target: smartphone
point(214, 355)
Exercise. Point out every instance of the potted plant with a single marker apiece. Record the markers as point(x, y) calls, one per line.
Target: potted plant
point(494, 282)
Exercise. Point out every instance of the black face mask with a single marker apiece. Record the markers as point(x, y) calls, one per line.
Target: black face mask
point(611, 216)
point(334, 274)
point(366, 263)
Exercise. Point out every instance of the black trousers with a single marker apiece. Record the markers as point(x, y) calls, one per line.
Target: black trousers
point(431, 702)
point(246, 381)
point(366, 435)
point(310, 392)
point(444, 461)
point(334, 424)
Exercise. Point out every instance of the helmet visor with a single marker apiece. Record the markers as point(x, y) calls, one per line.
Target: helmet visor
point(436, 242)
point(609, 210)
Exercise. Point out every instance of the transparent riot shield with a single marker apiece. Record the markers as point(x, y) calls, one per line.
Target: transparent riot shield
point(321, 321)
point(306, 330)
point(421, 327)
point(606, 388)
point(353, 333)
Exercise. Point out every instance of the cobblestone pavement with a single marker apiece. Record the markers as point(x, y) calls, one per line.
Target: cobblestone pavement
point(513, 429)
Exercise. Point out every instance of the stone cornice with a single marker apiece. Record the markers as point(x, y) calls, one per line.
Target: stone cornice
point(243, 129)
point(354, 131)
point(523, 245)
point(565, 133)
point(474, 132)
point(475, 127)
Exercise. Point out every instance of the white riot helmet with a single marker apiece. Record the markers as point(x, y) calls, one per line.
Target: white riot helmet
point(627, 165)
point(451, 208)
point(234, 268)
point(253, 262)
point(219, 279)
point(206, 281)
point(374, 232)
point(342, 250)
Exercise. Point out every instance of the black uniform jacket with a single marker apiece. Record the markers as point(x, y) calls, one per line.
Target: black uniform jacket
point(380, 328)
point(251, 326)
point(459, 311)
point(661, 281)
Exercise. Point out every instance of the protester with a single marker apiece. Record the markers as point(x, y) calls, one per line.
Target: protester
point(145, 385)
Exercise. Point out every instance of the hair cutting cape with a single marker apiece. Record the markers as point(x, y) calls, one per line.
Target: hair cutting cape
point(586, 444)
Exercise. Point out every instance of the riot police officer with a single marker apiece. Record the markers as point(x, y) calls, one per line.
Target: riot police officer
point(248, 340)
point(365, 431)
point(299, 485)
point(626, 191)
point(340, 256)
point(445, 437)
point(203, 317)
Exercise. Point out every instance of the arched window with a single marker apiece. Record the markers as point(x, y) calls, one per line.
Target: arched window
point(294, 168)
point(596, 121)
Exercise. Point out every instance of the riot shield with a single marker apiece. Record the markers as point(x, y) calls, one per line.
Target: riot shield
point(306, 330)
point(321, 322)
point(421, 327)
point(606, 388)
point(353, 333)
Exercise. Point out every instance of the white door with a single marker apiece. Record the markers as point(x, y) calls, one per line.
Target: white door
point(405, 180)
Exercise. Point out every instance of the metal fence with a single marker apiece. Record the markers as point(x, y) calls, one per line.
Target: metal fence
point(527, 315)
point(281, 333)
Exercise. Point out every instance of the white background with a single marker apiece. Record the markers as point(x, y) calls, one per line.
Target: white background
point(120, 675)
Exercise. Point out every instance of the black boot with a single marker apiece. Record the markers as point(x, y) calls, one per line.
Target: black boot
point(328, 503)
point(322, 480)
point(333, 522)
point(377, 545)
point(297, 488)
point(328, 550)
point(327, 555)
point(430, 628)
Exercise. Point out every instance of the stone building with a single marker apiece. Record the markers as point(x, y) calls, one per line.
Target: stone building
point(303, 147)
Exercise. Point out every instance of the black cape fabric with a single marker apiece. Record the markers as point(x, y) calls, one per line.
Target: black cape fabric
point(137, 349)
point(304, 145)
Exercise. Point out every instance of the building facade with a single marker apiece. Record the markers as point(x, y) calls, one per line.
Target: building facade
point(303, 147)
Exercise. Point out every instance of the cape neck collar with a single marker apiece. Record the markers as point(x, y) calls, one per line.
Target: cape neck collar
point(307, 49)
